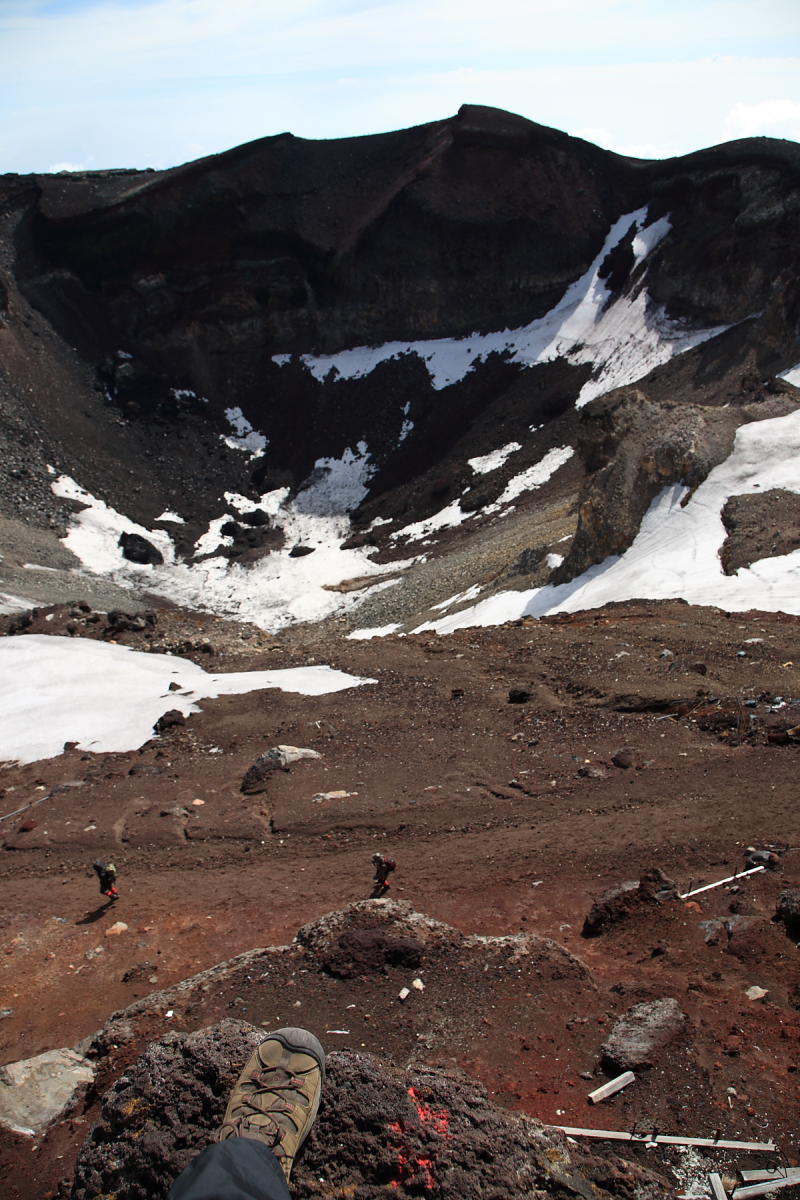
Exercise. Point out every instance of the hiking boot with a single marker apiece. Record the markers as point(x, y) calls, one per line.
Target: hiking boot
point(276, 1097)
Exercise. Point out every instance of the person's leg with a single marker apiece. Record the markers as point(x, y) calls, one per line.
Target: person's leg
point(236, 1169)
point(269, 1115)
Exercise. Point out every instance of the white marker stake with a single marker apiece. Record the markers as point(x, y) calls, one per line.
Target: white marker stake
point(613, 1085)
point(763, 1189)
point(663, 1139)
point(729, 879)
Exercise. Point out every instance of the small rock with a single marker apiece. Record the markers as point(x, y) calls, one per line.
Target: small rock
point(623, 758)
point(169, 719)
point(666, 654)
point(94, 952)
point(518, 695)
point(404, 993)
point(116, 929)
point(756, 993)
point(321, 797)
point(418, 985)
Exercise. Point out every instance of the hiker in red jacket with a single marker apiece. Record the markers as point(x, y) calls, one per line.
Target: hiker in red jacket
point(383, 869)
point(107, 877)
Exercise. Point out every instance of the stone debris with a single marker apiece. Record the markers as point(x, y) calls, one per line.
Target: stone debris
point(35, 1092)
point(642, 1032)
point(116, 929)
point(321, 797)
point(756, 993)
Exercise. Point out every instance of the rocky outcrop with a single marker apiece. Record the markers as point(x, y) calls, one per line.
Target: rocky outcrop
point(759, 526)
point(412, 1131)
point(632, 447)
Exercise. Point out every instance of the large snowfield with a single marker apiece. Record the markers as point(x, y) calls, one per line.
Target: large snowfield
point(107, 698)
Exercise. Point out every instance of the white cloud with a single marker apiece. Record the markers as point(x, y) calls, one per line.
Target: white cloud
point(767, 118)
point(155, 82)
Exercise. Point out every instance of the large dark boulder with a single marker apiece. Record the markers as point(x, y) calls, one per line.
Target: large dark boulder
point(380, 1130)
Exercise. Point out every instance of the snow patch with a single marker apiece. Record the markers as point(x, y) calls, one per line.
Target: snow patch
point(534, 477)
point(245, 437)
point(276, 590)
point(447, 518)
point(792, 375)
point(676, 552)
point(623, 338)
point(485, 463)
point(363, 635)
point(107, 698)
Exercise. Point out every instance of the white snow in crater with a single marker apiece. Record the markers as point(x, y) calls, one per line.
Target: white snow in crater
point(533, 477)
point(460, 598)
point(363, 635)
point(622, 338)
point(107, 698)
point(485, 463)
point(792, 375)
point(676, 552)
point(244, 436)
point(272, 592)
point(447, 518)
point(167, 515)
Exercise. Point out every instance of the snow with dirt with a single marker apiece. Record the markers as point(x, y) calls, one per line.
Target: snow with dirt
point(276, 591)
point(107, 697)
point(676, 552)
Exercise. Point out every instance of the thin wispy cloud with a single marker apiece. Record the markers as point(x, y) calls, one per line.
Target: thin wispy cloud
point(146, 82)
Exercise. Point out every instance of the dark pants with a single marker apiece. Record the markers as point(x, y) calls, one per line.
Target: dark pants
point(236, 1169)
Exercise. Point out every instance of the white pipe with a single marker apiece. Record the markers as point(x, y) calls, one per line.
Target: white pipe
point(663, 1139)
point(609, 1089)
point(730, 879)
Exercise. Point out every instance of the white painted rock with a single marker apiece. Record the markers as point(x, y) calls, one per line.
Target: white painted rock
point(287, 755)
point(34, 1092)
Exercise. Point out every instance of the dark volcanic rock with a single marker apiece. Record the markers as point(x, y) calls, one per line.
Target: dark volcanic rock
point(169, 720)
point(378, 1128)
point(137, 549)
point(759, 526)
point(787, 912)
point(615, 906)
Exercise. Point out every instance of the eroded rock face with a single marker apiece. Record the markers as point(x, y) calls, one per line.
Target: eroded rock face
point(653, 888)
point(415, 1131)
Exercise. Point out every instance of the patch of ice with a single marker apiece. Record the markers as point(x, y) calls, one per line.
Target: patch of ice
point(534, 477)
point(623, 338)
point(792, 375)
point(408, 425)
point(213, 538)
point(107, 698)
point(36, 567)
point(337, 485)
point(447, 518)
point(461, 598)
point(676, 552)
point(363, 635)
point(244, 436)
point(282, 360)
point(490, 462)
point(171, 516)
point(554, 560)
point(10, 603)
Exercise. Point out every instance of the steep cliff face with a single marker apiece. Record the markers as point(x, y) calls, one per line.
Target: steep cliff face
point(416, 299)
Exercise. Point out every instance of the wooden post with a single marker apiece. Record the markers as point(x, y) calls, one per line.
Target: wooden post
point(609, 1089)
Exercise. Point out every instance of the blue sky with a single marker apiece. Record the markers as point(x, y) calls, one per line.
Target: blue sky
point(108, 83)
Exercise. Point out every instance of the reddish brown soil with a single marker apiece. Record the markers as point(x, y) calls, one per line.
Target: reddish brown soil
point(494, 831)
